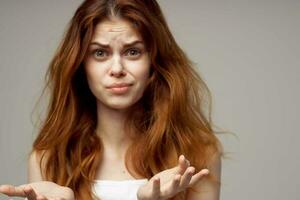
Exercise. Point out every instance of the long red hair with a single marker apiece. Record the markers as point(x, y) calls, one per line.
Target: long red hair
point(172, 118)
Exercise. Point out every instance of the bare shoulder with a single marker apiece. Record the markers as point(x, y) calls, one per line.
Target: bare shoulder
point(207, 188)
point(34, 171)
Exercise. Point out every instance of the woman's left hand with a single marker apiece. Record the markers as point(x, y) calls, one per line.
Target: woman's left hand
point(168, 183)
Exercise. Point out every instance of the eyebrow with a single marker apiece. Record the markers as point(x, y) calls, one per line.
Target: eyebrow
point(125, 45)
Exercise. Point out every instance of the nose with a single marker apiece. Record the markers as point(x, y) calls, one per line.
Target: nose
point(117, 68)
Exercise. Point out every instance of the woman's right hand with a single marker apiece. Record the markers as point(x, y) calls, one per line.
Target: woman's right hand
point(43, 190)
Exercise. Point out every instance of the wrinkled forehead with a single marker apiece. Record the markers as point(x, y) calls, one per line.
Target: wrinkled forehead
point(116, 30)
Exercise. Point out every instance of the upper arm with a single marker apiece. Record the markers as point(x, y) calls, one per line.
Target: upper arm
point(33, 168)
point(207, 189)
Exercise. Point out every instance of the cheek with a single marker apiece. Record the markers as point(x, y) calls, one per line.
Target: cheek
point(94, 71)
point(94, 76)
point(139, 69)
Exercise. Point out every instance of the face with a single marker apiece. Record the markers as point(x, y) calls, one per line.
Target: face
point(117, 64)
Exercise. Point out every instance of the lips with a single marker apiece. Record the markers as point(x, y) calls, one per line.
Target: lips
point(119, 85)
point(119, 88)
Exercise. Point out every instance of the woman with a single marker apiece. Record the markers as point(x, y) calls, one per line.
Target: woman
point(126, 113)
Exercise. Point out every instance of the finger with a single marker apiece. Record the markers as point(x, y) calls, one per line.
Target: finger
point(183, 163)
point(197, 177)
point(30, 193)
point(168, 192)
point(11, 190)
point(186, 177)
point(175, 182)
point(187, 162)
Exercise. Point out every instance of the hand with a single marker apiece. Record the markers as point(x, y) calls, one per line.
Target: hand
point(43, 190)
point(168, 183)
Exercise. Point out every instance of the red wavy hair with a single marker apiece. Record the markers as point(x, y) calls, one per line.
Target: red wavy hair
point(172, 118)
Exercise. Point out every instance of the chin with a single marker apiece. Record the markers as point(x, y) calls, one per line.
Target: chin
point(119, 102)
point(120, 105)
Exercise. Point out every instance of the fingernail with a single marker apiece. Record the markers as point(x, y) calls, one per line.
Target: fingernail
point(192, 170)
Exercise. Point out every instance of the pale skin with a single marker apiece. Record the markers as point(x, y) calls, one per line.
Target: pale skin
point(117, 54)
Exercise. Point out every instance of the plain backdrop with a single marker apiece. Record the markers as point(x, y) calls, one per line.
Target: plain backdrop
point(247, 52)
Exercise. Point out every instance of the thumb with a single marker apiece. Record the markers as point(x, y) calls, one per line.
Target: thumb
point(30, 193)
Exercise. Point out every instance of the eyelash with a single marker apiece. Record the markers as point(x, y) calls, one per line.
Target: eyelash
point(136, 51)
point(97, 50)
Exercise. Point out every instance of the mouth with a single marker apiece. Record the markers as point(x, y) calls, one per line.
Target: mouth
point(119, 85)
point(119, 88)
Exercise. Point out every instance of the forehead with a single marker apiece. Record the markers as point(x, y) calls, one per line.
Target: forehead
point(115, 29)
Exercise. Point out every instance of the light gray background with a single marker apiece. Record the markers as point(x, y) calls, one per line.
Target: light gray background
point(247, 51)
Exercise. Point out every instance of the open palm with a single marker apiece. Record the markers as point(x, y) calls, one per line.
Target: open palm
point(43, 190)
point(168, 183)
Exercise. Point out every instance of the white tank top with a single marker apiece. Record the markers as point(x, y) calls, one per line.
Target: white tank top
point(117, 190)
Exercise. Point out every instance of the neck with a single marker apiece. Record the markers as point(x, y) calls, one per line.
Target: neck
point(110, 128)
